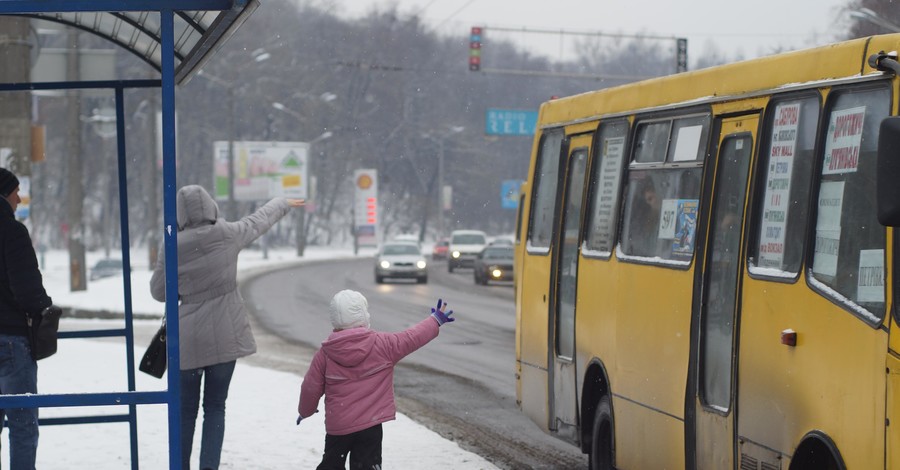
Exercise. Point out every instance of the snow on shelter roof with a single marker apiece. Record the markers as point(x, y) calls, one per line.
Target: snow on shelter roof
point(201, 26)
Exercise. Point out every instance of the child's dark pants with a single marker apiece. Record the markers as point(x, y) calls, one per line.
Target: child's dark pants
point(363, 446)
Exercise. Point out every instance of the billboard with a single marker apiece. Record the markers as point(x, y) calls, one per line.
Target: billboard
point(262, 170)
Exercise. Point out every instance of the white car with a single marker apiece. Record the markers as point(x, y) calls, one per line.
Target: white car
point(400, 260)
point(464, 247)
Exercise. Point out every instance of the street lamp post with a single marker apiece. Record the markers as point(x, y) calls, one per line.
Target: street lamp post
point(301, 221)
point(258, 55)
point(440, 175)
point(232, 211)
point(869, 16)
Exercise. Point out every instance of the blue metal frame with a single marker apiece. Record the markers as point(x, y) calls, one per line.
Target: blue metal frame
point(171, 397)
point(131, 398)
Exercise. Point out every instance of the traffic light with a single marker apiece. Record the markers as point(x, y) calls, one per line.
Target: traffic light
point(475, 49)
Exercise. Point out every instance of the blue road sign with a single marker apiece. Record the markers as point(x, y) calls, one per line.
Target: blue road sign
point(510, 122)
point(509, 193)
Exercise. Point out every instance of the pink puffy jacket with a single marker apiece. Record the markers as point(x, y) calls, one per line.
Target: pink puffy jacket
point(354, 369)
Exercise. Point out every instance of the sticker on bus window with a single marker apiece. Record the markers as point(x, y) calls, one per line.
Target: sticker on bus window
point(870, 283)
point(667, 219)
point(842, 142)
point(688, 144)
point(778, 185)
point(685, 227)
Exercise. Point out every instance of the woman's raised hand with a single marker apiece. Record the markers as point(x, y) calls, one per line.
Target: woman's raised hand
point(296, 202)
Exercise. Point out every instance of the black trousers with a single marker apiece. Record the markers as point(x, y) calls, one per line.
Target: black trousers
point(363, 446)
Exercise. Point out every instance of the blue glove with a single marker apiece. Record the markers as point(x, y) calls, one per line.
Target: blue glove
point(439, 314)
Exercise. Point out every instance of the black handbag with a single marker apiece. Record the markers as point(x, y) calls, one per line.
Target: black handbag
point(42, 332)
point(154, 360)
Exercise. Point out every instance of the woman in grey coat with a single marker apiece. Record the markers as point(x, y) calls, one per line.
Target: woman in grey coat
point(214, 330)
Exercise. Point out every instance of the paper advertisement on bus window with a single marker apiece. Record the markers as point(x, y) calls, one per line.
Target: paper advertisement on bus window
point(778, 185)
point(685, 227)
point(842, 142)
point(870, 283)
point(828, 228)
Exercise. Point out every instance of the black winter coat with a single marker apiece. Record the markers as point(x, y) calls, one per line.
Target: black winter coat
point(21, 284)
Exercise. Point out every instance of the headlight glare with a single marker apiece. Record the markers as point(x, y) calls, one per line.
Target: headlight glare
point(385, 264)
point(420, 264)
point(455, 254)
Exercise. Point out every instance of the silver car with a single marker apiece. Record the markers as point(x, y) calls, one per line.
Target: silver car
point(400, 260)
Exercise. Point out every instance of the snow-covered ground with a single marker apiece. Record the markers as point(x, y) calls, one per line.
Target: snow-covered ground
point(260, 430)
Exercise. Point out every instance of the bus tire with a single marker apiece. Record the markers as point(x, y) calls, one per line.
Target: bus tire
point(601, 455)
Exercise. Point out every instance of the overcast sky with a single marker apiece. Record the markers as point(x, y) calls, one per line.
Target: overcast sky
point(732, 26)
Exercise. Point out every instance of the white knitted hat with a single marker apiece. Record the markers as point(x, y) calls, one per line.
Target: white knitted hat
point(349, 309)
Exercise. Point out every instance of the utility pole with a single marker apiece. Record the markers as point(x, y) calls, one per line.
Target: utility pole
point(77, 269)
point(15, 107)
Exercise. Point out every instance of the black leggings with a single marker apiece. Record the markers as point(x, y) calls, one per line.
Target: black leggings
point(363, 446)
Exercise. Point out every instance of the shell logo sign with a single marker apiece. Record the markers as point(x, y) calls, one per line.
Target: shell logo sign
point(365, 207)
point(364, 181)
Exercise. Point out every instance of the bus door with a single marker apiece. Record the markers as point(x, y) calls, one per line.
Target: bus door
point(715, 399)
point(564, 279)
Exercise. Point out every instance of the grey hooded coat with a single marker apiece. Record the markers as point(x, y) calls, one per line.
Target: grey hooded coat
point(213, 323)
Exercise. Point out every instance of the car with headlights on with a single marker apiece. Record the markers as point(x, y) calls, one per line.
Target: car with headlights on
point(464, 247)
point(494, 263)
point(400, 260)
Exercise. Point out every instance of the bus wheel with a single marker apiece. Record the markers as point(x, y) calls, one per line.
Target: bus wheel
point(601, 457)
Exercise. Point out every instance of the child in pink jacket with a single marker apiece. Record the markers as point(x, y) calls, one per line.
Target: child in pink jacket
point(354, 369)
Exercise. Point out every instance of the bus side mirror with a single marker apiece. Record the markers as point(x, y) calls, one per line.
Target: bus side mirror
point(887, 182)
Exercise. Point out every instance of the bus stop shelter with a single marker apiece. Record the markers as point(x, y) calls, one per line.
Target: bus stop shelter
point(176, 37)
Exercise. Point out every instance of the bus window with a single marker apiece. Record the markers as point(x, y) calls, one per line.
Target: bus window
point(606, 177)
point(787, 154)
point(651, 142)
point(723, 270)
point(662, 200)
point(546, 177)
point(848, 258)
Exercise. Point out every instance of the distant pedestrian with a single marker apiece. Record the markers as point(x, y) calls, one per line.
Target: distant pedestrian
point(359, 383)
point(21, 293)
point(214, 329)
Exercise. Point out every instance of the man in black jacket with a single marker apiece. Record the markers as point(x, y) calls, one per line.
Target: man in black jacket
point(21, 292)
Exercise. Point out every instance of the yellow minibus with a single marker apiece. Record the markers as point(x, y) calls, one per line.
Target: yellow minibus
point(704, 266)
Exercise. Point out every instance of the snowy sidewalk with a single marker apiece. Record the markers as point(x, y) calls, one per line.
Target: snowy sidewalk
point(260, 431)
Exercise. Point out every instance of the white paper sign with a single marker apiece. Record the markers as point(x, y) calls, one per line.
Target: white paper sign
point(688, 143)
point(828, 242)
point(828, 228)
point(608, 188)
point(842, 142)
point(778, 185)
point(870, 283)
point(667, 219)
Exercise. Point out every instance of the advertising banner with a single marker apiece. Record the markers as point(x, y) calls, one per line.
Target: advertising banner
point(262, 170)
